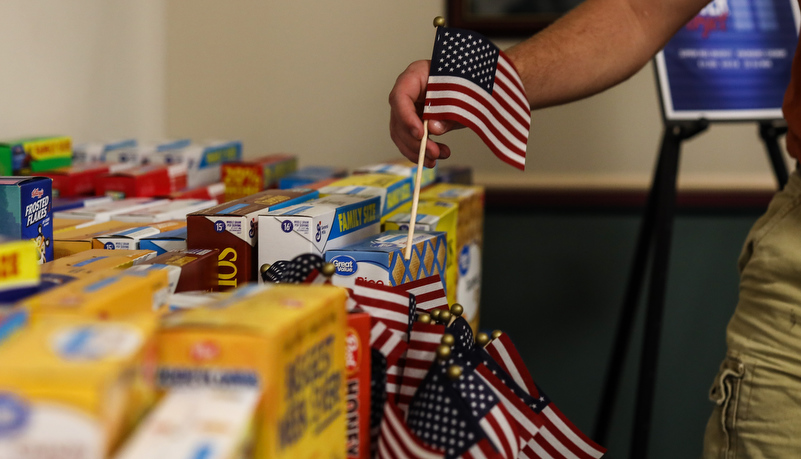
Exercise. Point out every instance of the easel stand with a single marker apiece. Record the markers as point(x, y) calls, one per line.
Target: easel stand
point(653, 243)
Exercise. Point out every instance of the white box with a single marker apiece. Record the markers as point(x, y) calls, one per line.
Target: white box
point(203, 161)
point(177, 209)
point(89, 152)
point(141, 154)
point(103, 212)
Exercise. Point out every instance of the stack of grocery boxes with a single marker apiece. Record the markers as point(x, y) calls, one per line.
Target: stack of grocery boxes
point(138, 294)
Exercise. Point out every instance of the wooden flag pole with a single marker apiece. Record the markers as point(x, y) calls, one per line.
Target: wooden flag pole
point(421, 157)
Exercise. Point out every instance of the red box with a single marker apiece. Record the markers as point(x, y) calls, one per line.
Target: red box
point(243, 178)
point(214, 191)
point(143, 181)
point(80, 179)
point(357, 383)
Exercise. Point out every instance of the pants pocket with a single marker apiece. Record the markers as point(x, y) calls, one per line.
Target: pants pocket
point(727, 393)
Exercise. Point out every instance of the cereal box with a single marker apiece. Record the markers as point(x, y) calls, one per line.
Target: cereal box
point(128, 239)
point(381, 259)
point(432, 216)
point(394, 190)
point(196, 423)
point(25, 212)
point(19, 270)
point(64, 224)
point(287, 341)
point(76, 240)
point(84, 264)
point(72, 387)
point(310, 174)
point(92, 152)
point(203, 161)
point(141, 154)
point(33, 155)
point(357, 392)
point(103, 212)
point(402, 167)
point(62, 204)
point(196, 269)
point(243, 178)
point(215, 191)
point(232, 229)
point(462, 175)
point(142, 181)
point(165, 241)
point(79, 179)
point(175, 209)
point(316, 226)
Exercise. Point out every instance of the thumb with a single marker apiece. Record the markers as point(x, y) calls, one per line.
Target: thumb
point(439, 127)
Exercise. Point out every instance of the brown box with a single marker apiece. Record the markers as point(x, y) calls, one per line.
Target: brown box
point(198, 268)
point(76, 240)
point(231, 228)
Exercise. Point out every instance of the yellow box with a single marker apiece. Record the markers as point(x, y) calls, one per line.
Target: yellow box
point(432, 216)
point(19, 269)
point(77, 240)
point(105, 294)
point(289, 342)
point(72, 387)
point(66, 224)
point(394, 190)
point(469, 241)
point(83, 264)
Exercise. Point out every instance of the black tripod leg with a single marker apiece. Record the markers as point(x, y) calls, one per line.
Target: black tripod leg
point(770, 136)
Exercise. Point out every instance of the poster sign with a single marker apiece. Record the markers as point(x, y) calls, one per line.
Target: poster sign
point(731, 62)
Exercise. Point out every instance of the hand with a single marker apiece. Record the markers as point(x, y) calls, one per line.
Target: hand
point(406, 109)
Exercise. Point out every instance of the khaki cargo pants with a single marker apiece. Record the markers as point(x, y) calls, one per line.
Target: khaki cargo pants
point(757, 392)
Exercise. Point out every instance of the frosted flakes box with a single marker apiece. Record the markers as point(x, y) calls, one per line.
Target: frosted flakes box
point(232, 229)
point(243, 178)
point(165, 241)
point(188, 270)
point(317, 226)
point(175, 209)
point(196, 423)
point(394, 190)
point(91, 152)
point(381, 258)
point(402, 167)
point(142, 181)
point(142, 153)
point(76, 240)
point(72, 387)
point(19, 270)
point(37, 154)
point(103, 212)
point(203, 160)
point(25, 212)
point(79, 179)
point(288, 342)
point(128, 239)
point(311, 174)
point(432, 216)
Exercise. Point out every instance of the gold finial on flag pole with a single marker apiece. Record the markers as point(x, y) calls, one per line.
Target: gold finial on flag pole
point(448, 339)
point(424, 318)
point(435, 314)
point(454, 372)
point(439, 21)
point(496, 334)
point(443, 352)
point(445, 317)
point(482, 339)
point(457, 310)
point(328, 269)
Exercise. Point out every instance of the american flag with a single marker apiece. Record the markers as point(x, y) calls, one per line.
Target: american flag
point(397, 441)
point(390, 305)
point(504, 352)
point(462, 333)
point(420, 355)
point(392, 345)
point(429, 292)
point(474, 83)
point(303, 269)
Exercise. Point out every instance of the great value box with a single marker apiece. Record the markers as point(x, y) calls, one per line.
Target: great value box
point(25, 212)
point(79, 179)
point(174, 209)
point(243, 178)
point(287, 341)
point(128, 239)
point(317, 226)
point(401, 167)
point(141, 153)
point(73, 387)
point(31, 155)
point(394, 190)
point(103, 212)
point(142, 181)
point(232, 229)
point(381, 258)
point(91, 152)
point(203, 161)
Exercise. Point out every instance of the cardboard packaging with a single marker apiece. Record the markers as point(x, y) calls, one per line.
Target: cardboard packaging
point(128, 239)
point(93, 152)
point(103, 212)
point(232, 229)
point(215, 191)
point(142, 153)
point(461, 175)
point(165, 241)
point(243, 178)
point(198, 422)
point(73, 387)
point(402, 167)
point(142, 181)
point(381, 259)
point(316, 226)
point(357, 391)
point(19, 270)
point(25, 212)
point(469, 242)
point(76, 240)
point(84, 264)
point(196, 269)
point(62, 204)
point(310, 174)
point(176, 209)
point(31, 155)
point(432, 216)
point(394, 190)
point(80, 179)
point(289, 342)
point(203, 161)
point(64, 224)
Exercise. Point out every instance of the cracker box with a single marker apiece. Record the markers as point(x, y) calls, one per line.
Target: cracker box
point(175, 209)
point(196, 423)
point(92, 152)
point(28, 156)
point(215, 191)
point(142, 153)
point(432, 216)
point(469, 241)
point(394, 190)
point(62, 204)
point(19, 270)
point(73, 387)
point(232, 229)
point(243, 178)
point(381, 258)
point(142, 181)
point(25, 212)
point(287, 341)
point(104, 294)
point(196, 269)
point(84, 264)
point(357, 392)
point(203, 161)
point(79, 179)
point(165, 241)
point(76, 240)
point(103, 212)
point(316, 226)
point(402, 167)
point(311, 174)
point(128, 239)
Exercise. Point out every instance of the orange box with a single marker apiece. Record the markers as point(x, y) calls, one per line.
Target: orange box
point(243, 178)
point(357, 386)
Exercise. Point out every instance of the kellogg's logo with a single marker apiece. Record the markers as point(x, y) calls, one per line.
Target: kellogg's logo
point(37, 193)
point(203, 351)
point(353, 349)
point(712, 17)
